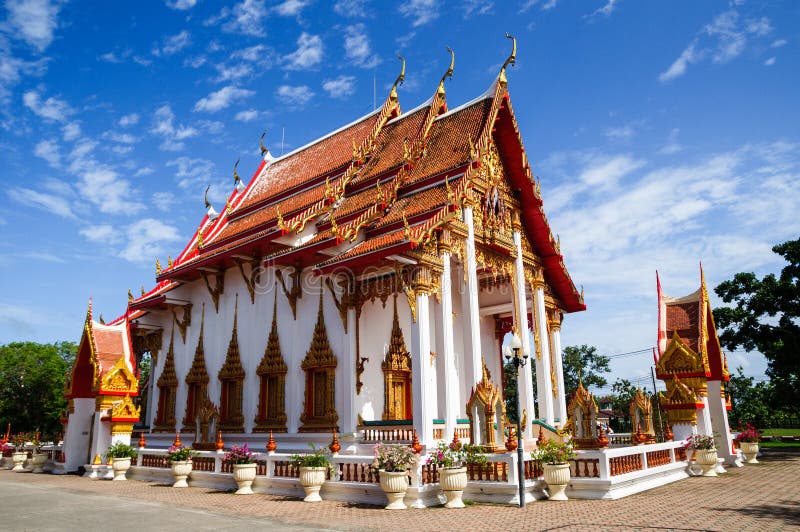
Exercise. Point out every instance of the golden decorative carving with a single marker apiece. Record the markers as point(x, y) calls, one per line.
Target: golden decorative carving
point(184, 323)
point(488, 398)
point(272, 376)
point(512, 59)
point(360, 362)
point(119, 379)
point(196, 380)
point(319, 409)
point(231, 377)
point(582, 419)
point(680, 402)
point(396, 374)
point(219, 287)
point(641, 412)
point(158, 267)
point(293, 294)
point(167, 391)
point(254, 278)
point(125, 410)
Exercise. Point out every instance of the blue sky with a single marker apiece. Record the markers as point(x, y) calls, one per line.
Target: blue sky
point(664, 133)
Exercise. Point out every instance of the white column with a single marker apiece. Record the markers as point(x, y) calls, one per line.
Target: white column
point(421, 371)
point(561, 399)
point(451, 388)
point(525, 383)
point(544, 387)
point(472, 339)
point(719, 423)
point(347, 384)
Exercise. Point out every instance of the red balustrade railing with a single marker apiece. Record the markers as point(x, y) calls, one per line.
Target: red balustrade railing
point(349, 472)
point(585, 468)
point(533, 469)
point(155, 460)
point(620, 465)
point(658, 458)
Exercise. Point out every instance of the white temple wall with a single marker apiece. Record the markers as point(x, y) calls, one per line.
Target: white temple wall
point(490, 349)
point(78, 435)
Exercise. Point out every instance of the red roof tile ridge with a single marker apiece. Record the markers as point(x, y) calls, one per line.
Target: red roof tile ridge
point(487, 95)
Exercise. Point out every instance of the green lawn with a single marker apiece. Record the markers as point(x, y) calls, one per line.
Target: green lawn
point(780, 432)
point(780, 445)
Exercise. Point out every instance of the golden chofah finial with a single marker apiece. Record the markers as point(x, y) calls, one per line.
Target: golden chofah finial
point(407, 226)
point(264, 150)
point(279, 216)
point(558, 244)
point(169, 261)
point(236, 178)
point(400, 79)
point(130, 296)
point(158, 266)
point(205, 197)
point(449, 73)
point(355, 150)
point(102, 321)
point(512, 59)
point(143, 290)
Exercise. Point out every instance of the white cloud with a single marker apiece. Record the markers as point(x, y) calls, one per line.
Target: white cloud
point(723, 40)
point(251, 53)
point(477, 7)
point(71, 131)
point(351, 8)
point(122, 138)
point(672, 146)
point(419, 11)
point(291, 8)
point(12, 69)
point(164, 201)
point(679, 66)
point(778, 43)
point(102, 186)
point(34, 20)
point(308, 54)
point(232, 72)
point(605, 10)
point(247, 115)
point(47, 202)
point(357, 47)
point(50, 109)
point(181, 5)
point(164, 125)
point(247, 17)
point(770, 61)
point(192, 173)
point(174, 44)
point(294, 95)
point(146, 170)
point(129, 120)
point(146, 239)
point(340, 87)
point(101, 234)
point(221, 99)
point(620, 133)
point(49, 151)
point(195, 62)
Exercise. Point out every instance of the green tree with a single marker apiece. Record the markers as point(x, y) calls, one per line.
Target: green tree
point(32, 378)
point(583, 363)
point(623, 391)
point(765, 316)
point(750, 402)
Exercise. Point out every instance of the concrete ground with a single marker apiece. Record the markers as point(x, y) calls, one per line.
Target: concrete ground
point(755, 497)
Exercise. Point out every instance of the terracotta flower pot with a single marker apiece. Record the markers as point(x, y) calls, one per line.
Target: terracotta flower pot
point(707, 459)
point(244, 475)
point(557, 477)
point(750, 450)
point(120, 467)
point(394, 484)
point(312, 479)
point(181, 469)
point(453, 481)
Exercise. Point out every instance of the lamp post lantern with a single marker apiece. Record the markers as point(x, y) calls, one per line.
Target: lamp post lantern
point(511, 352)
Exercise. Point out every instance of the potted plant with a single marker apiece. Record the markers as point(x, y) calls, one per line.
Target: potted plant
point(555, 457)
point(451, 461)
point(748, 442)
point(120, 455)
point(705, 453)
point(313, 467)
point(20, 454)
point(38, 458)
point(180, 461)
point(392, 463)
point(244, 468)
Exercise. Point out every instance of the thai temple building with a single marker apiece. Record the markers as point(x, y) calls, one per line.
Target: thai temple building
point(691, 363)
point(365, 279)
point(361, 288)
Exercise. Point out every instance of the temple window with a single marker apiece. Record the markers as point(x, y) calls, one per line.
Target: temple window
point(231, 378)
point(397, 374)
point(272, 382)
point(319, 411)
point(196, 382)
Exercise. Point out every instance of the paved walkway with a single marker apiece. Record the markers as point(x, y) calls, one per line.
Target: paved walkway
point(756, 497)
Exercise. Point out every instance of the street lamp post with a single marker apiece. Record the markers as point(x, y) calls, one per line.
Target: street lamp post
point(511, 353)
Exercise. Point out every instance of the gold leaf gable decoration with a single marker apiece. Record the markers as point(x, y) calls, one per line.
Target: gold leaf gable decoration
point(678, 357)
point(678, 393)
point(119, 379)
point(397, 356)
point(125, 410)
